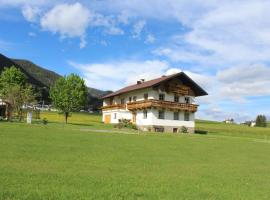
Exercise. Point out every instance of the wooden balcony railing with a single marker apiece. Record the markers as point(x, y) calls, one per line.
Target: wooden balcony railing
point(153, 103)
point(113, 107)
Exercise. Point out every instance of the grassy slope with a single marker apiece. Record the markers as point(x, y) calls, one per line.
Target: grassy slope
point(62, 162)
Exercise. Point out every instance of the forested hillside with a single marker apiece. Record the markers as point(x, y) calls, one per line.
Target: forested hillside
point(42, 79)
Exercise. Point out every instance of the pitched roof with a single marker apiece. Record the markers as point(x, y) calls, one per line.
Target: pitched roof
point(186, 80)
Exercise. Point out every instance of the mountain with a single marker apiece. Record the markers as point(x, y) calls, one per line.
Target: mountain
point(42, 79)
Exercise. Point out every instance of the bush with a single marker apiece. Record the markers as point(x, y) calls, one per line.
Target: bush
point(44, 121)
point(125, 123)
point(200, 132)
point(184, 129)
point(261, 121)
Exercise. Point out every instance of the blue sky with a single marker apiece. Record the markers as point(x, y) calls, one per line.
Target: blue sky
point(224, 46)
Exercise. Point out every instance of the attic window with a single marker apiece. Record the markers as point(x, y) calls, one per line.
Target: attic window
point(145, 96)
point(161, 97)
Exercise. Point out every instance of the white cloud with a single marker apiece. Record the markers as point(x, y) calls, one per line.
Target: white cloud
point(245, 81)
point(114, 75)
point(30, 13)
point(150, 39)
point(69, 20)
point(138, 28)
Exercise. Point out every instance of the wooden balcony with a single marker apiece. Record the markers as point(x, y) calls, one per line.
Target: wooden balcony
point(113, 107)
point(153, 103)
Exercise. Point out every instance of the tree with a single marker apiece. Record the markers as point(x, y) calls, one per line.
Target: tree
point(69, 94)
point(15, 90)
point(261, 121)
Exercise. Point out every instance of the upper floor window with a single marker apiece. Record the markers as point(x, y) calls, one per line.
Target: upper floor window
point(186, 116)
point(129, 99)
point(176, 115)
point(187, 100)
point(161, 97)
point(161, 114)
point(176, 98)
point(145, 96)
point(134, 98)
point(145, 114)
point(123, 101)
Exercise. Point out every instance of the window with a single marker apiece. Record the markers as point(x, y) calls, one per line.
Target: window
point(115, 115)
point(145, 114)
point(123, 101)
point(161, 114)
point(159, 129)
point(176, 98)
point(130, 98)
point(145, 96)
point(176, 115)
point(161, 97)
point(187, 100)
point(175, 130)
point(134, 98)
point(186, 116)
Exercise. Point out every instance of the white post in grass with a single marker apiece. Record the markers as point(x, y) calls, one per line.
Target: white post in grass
point(29, 117)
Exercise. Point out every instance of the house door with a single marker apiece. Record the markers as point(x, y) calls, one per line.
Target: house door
point(107, 119)
point(134, 115)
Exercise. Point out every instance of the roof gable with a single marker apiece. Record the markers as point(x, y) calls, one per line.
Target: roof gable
point(181, 75)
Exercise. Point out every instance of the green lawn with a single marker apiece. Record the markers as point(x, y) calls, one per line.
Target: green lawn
point(89, 160)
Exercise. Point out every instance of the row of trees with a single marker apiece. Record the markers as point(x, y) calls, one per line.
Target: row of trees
point(68, 94)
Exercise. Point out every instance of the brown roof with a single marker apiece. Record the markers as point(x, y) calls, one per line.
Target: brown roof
point(186, 80)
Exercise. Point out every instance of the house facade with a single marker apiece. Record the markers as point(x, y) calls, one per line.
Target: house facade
point(165, 104)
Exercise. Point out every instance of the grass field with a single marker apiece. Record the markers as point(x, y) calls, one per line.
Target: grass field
point(89, 160)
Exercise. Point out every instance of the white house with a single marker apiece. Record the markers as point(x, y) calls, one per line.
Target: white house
point(163, 104)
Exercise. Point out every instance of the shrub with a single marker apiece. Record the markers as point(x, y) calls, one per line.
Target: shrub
point(261, 121)
point(44, 121)
point(184, 129)
point(200, 132)
point(125, 123)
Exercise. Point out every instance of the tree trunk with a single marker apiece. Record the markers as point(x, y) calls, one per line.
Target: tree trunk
point(66, 117)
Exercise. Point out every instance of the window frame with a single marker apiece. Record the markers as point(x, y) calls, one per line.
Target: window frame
point(161, 116)
point(161, 95)
point(145, 96)
point(174, 116)
point(176, 98)
point(187, 100)
point(187, 116)
point(145, 113)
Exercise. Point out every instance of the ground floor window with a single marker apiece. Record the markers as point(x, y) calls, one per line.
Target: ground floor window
point(186, 116)
point(115, 115)
point(161, 114)
point(159, 129)
point(175, 130)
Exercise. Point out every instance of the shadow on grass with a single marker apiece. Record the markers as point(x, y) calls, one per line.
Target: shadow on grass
point(79, 124)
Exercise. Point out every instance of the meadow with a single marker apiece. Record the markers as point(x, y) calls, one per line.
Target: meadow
point(86, 159)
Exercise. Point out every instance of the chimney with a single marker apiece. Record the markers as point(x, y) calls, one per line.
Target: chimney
point(142, 80)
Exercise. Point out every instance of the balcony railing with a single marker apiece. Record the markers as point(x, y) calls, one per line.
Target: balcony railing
point(153, 103)
point(113, 107)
